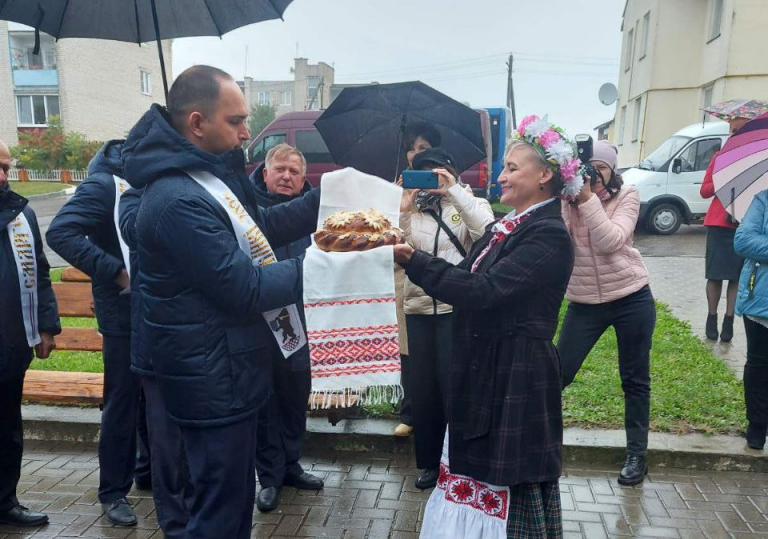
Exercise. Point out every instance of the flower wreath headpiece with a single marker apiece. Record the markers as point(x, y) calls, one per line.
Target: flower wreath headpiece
point(553, 145)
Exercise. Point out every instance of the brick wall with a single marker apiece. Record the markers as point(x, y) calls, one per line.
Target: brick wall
point(7, 99)
point(100, 84)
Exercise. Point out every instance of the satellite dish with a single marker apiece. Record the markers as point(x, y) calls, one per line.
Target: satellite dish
point(608, 94)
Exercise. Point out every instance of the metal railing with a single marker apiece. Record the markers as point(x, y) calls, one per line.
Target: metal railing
point(46, 175)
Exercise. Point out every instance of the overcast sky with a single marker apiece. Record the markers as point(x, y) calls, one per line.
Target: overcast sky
point(564, 50)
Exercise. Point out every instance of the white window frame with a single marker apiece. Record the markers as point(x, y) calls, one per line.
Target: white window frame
point(707, 98)
point(286, 98)
point(636, 119)
point(646, 30)
point(622, 125)
point(716, 19)
point(262, 98)
point(630, 46)
point(146, 82)
point(32, 109)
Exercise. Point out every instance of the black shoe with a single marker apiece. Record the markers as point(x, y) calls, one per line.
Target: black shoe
point(634, 471)
point(711, 328)
point(756, 435)
point(305, 481)
point(22, 517)
point(727, 334)
point(268, 499)
point(428, 479)
point(120, 512)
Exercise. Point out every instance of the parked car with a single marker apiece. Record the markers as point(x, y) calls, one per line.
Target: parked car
point(298, 130)
point(670, 178)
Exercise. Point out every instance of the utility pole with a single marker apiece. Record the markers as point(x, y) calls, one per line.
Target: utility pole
point(511, 91)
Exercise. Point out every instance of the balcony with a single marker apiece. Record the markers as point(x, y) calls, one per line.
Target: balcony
point(33, 70)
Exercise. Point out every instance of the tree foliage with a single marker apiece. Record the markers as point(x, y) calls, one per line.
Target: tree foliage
point(260, 117)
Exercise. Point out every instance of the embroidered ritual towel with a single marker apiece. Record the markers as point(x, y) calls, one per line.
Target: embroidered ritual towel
point(349, 299)
point(463, 507)
point(23, 247)
point(284, 322)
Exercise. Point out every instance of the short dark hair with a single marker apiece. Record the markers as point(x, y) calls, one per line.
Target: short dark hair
point(196, 89)
point(425, 130)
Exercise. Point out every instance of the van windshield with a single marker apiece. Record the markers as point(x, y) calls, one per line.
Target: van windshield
point(661, 155)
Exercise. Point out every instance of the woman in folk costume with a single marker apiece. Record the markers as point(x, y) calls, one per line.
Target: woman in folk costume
point(502, 458)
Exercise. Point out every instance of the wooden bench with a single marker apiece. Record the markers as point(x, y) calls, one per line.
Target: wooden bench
point(75, 300)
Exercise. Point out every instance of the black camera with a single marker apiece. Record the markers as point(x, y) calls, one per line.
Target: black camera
point(584, 153)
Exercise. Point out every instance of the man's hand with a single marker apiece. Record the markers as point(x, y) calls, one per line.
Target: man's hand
point(123, 280)
point(403, 253)
point(46, 346)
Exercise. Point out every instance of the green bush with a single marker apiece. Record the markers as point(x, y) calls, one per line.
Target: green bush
point(51, 148)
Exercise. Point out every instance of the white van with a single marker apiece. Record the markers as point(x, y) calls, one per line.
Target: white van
point(670, 178)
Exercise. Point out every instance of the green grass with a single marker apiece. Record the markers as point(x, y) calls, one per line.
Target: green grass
point(691, 389)
point(37, 188)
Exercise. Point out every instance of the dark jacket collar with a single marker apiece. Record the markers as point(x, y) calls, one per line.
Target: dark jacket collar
point(11, 205)
point(266, 198)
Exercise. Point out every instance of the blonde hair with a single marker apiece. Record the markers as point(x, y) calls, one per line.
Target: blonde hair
point(282, 151)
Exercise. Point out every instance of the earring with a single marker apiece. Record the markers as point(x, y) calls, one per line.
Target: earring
point(541, 187)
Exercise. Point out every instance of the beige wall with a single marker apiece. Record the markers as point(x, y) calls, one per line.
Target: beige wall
point(7, 98)
point(100, 85)
point(682, 61)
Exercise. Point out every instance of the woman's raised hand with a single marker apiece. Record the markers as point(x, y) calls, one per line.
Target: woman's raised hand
point(445, 181)
point(408, 198)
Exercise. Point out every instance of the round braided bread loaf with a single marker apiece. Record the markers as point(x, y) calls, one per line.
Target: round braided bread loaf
point(357, 231)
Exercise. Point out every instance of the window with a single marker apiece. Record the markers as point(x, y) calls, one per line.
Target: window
point(697, 156)
point(628, 51)
point(36, 110)
point(312, 145)
point(263, 98)
point(717, 19)
point(644, 38)
point(707, 96)
point(313, 93)
point(636, 121)
point(259, 150)
point(286, 98)
point(622, 124)
point(146, 83)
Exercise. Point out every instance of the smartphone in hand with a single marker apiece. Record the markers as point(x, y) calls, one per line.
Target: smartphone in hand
point(419, 179)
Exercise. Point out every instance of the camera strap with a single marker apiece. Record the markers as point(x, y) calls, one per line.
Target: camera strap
point(451, 236)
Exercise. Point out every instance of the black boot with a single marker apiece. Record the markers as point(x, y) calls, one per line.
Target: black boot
point(727, 334)
point(428, 479)
point(634, 471)
point(711, 328)
point(756, 435)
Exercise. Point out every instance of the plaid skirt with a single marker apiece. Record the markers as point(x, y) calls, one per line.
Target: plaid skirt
point(535, 511)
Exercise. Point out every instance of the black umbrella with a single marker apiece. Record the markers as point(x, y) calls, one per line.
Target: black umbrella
point(139, 21)
point(363, 128)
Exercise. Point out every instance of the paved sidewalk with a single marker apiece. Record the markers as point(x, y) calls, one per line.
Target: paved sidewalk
point(371, 495)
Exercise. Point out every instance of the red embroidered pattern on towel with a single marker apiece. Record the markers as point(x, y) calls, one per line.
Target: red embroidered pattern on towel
point(463, 490)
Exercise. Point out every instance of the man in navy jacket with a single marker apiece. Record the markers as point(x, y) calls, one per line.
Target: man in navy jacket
point(202, 298)
point(283, 421)
point(15, 352)
point(84, 234)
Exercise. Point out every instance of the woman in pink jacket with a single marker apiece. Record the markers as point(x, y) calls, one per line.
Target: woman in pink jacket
point(609, 287)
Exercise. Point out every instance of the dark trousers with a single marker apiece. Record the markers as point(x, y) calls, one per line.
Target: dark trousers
point(170, 476)
point(117, 439)
point(143, 471)
point(11, 441)
point(406, 414)
point(634, 319)
point(221, 463)
point(430, 348)
point(282, 423)
point(756, 372)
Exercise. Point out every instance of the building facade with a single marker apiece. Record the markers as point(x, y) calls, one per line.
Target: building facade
point(99, 88)
point(310, 89)
point(681, 56)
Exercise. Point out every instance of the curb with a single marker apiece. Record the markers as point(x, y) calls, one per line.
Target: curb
point(580, 446)
point(44, 196)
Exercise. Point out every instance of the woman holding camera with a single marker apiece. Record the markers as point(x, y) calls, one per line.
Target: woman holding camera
point(609, 287)
point(506, 429)
point(443, 222)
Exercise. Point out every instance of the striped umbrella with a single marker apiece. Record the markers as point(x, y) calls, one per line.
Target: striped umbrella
point(741, 167)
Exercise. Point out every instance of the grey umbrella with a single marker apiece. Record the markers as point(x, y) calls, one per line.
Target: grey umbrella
point(139, 21)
